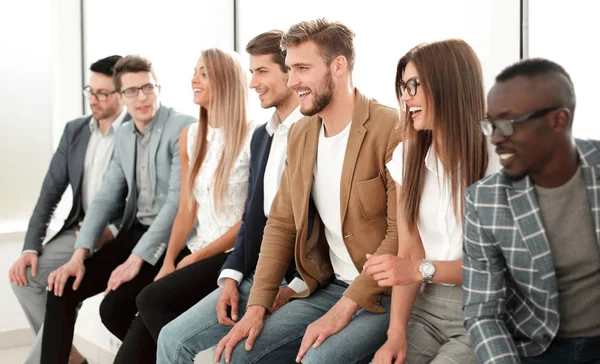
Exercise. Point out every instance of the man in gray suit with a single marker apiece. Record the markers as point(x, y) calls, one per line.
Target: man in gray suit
point(81, 161)
point(531, 265)
point(142, 182)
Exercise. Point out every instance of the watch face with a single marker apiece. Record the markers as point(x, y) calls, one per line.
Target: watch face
point(427, 269)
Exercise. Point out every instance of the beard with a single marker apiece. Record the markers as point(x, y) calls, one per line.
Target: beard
point(322, 97)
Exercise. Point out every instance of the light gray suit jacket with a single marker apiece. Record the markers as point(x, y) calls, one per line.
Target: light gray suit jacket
point(509, 282)
point(119, 193)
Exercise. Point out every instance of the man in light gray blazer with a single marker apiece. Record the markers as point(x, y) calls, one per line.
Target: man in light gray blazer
point(80, 161)
point(142, 183)
point(531, 266)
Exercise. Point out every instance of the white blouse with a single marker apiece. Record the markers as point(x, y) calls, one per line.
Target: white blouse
point(213, 223)
point(438, 227)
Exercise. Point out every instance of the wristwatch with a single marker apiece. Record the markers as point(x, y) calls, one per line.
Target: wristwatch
point(427, 269)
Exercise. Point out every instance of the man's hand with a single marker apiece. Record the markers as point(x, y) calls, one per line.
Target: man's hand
point(393, 351)
point(124, 273)
point(331, 323)
point(249, 327)
point(17, 275)
point(390, 270)
point(73, 268)
point(166, 269)
point(230, 297)
point(283, 297)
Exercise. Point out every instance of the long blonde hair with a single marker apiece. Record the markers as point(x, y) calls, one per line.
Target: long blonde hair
point(228, 87)
point(451, 77)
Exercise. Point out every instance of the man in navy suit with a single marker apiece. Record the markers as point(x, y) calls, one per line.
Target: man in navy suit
point(268, 148)
point(80, 161)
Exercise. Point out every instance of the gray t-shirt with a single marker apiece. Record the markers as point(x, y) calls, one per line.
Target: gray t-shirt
point(576, 254)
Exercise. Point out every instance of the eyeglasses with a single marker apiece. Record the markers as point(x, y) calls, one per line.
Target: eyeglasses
point(132, 92)
point(505, 126)
point(410, 85)
point(100, 96)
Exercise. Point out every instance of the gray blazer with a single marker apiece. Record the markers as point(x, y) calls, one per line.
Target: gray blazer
point(119, 193)
point(66, 168)
point(509, 281)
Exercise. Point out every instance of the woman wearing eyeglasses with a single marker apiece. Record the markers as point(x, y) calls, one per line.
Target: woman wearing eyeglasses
point(215, 155)
point(440, 90)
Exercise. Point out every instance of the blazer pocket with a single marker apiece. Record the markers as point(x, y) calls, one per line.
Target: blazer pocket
point(372, 197)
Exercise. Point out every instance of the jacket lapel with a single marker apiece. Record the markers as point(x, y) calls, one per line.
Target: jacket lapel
point(78, 153)
point(528, 219)
point(590, 165)
point(355, 140)
point(309, 153)
point(263, 153)
point(161, 119)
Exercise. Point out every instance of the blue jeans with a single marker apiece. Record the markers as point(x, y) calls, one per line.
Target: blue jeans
point(279, 342)
point(569, 351)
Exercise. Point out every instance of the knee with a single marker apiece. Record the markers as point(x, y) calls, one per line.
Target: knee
point(168, 342)
point(147, 299)
point(108, 313)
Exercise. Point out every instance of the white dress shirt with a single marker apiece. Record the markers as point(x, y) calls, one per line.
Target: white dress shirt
point(440, 231)
point(97, 158)
point(213, 222)
point(271, 181)
point(326, 196)
point(276, 161)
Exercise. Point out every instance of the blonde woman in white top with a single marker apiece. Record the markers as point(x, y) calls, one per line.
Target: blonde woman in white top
point(440, 89)
point(215, 155)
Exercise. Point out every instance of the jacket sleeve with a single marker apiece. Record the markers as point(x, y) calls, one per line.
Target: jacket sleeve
point(54, 185)
point(484, 293)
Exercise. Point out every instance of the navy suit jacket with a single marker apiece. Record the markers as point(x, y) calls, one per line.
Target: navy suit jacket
point(244, 256)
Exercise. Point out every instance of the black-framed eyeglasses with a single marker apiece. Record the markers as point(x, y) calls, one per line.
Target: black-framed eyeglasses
point(100, 96)
point(505, 126)
point(409, 86)
point(131, 92)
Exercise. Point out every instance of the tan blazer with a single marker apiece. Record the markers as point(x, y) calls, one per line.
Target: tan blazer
point(368, 208)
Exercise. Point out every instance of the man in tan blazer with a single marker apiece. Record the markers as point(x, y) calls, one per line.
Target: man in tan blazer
point(335, 205)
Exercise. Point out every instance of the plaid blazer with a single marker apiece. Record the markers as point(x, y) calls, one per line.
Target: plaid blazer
point(509, 285)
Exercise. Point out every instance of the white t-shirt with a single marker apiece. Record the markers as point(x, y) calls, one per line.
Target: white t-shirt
point(438, 227)
point(326, 196)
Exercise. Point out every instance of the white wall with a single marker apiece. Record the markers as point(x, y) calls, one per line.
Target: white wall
point(39, 95)
point(565, 34)
point(387, 29)
point(26, 111)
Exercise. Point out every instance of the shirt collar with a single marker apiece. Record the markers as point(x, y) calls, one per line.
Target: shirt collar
point(431, 160)
point(115, 124)
point(274, 123)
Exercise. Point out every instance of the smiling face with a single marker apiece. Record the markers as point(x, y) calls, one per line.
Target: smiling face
point(310, 78)
point(201, 85)
point(269, 81)
point(417, 105)
point(532, 145)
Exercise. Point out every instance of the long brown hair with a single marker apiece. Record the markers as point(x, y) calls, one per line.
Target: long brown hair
point(450, 76)
point(228, 108)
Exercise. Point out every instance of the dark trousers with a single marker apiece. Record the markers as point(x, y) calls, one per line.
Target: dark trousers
point(569, 351)
point(164, 300)
point(118, 308)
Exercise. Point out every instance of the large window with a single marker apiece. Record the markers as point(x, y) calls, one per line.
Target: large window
point(564, 34)
point(386, 29)
point(171, 34)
